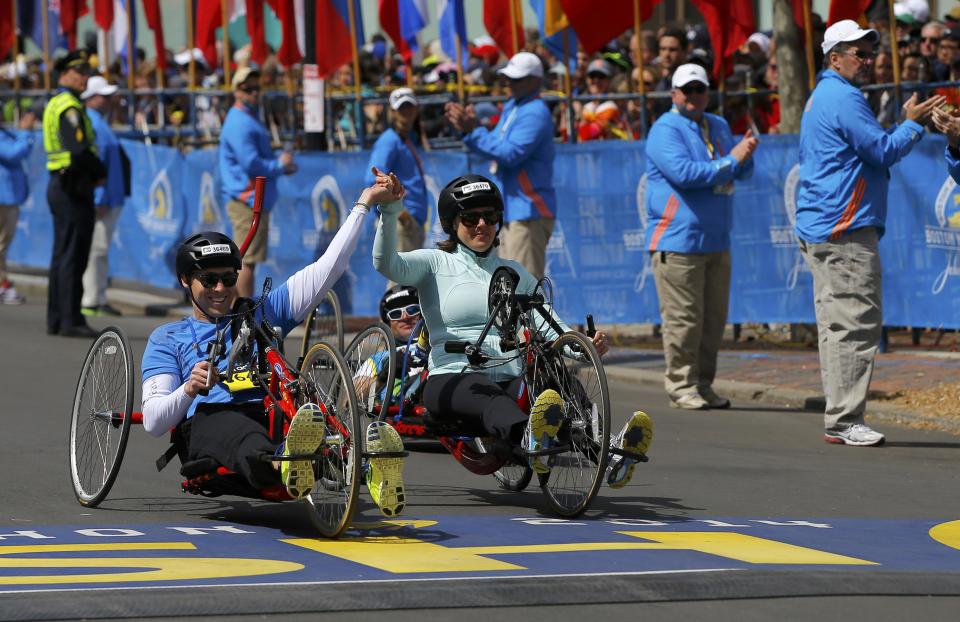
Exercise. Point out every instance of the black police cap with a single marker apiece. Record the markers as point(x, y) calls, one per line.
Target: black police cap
point(73, 60)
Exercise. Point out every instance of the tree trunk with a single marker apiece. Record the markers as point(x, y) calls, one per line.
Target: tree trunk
point(791, 61)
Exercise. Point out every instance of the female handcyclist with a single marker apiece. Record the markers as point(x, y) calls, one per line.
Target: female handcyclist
point(453, 281)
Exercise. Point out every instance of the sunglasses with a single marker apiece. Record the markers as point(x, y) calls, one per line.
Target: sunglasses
point(409, 311)
point(472, 219)
point(250, 89)
point(693, 89)
point(931, 39)
point(210, 279)
point(862, 55)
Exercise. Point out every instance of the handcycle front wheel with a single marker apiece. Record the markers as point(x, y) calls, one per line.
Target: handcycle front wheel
point(327, 382)
point(572, 367)
point(372, 350)
point(102, 413)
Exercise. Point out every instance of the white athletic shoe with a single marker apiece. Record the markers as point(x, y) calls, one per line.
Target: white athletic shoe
point(857, 434)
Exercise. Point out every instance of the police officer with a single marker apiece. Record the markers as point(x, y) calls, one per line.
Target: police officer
point(75, 170)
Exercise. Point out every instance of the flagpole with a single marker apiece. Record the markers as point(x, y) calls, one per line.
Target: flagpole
point(567, 84)
point(103, 41)
point(641, 87)
point(16, 52)
point(513, 25)
point(808, 42)
point(225, 18)
point(895, 53)
point(191, 44)
point(351, 14)
point(408, 64)
point(131, 53)
point(46, 44)
point(460, 95)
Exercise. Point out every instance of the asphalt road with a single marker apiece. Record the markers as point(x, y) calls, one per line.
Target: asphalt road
point(740, 515)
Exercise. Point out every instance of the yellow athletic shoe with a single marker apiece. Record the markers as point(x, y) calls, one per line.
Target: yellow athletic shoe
point(305, 435)
point(543, 427)
point(636, 436)
point(385, 475)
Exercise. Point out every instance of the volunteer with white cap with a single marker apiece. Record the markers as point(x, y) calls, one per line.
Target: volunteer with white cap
point(692, 162)
point(845, 160)
point(107, 198)
point(399, 150)
point(521, 146)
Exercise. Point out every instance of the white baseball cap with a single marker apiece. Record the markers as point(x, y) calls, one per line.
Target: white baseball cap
point(845, 31)
point(690, 72)
point(401, 96)
point(521, 65)
point(98, 85)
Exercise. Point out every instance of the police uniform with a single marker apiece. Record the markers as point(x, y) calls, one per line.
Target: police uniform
point(75, 170)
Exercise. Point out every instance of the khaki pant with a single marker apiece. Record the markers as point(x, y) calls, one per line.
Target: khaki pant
point(847, 297)
point(95, 276)
point(525, 241)
point(241, 216)
point(694, 293)
point(9, 214)
point(410, 235)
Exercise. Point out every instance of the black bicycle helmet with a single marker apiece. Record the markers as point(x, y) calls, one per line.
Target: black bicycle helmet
point(396, 297)
point(465, 192)
point(208, 249)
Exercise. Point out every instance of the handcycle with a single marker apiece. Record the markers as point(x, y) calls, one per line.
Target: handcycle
point(325, 323)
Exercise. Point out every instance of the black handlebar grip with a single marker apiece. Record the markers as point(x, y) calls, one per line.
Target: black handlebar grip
point(591, 327)
point(455, 347)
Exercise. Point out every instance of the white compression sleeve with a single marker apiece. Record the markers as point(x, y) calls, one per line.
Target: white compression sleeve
point(164, 403)
point(308, 286)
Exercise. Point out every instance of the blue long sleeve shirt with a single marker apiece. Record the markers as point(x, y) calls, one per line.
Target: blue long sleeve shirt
point(393, 153)
point(845, 157)
point(110, 194)
point(953, 164)
point(14, 149)
point(689, 198)
point(522, 145)
point(245, 154)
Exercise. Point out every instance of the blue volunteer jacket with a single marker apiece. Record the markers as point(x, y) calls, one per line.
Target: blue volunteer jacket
point(845, 158)
point(14, 149)
point(245, 154)
point(689, 193)
point(391, 154)
point(110, 194)
point(953, 164)
point(522, 145)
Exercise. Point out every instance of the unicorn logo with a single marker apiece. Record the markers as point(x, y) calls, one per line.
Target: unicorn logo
point(785, 237)
point(635, 240)
point(946, 235)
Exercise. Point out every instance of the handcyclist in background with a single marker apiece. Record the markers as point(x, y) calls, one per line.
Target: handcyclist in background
point(453, 281)
point(228, 425)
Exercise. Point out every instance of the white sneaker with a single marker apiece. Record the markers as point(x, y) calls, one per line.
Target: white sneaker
point(689, 401)
point(9, 296)
point(857, 434)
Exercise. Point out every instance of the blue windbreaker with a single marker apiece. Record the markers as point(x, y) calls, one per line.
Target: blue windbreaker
point(689, 192)
point(845, 158)
point(953, 164)
point(522, 145)
point(14, 149)
point(245, 154)
point(392, 154)
point(110, 194)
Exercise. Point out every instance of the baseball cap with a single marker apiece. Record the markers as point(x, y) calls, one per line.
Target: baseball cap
point(98, 85)
point(762, 41)
point(953, 14)
point(845, 31)
point(242, 75)
point(401, 96)
point(521, 65)
point(74, 60)
point(690, 72)
point(599, 66)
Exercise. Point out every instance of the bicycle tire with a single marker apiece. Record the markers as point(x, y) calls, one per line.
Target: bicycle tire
point(512, 477)
point(101, 417)
point(375, 340)
point(325, 323)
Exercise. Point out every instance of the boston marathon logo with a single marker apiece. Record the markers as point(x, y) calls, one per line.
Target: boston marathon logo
point(946, 235)
point(211, 217)
point(158, 218)
point(634, 240)
point(785, 237)
point(329, 212)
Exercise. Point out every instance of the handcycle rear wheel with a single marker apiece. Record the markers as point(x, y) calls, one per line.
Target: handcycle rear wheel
point(325, 323)
point(102, 413)
point(374, 342)
point(512, 477)
point(328, 383)
point(572, 367)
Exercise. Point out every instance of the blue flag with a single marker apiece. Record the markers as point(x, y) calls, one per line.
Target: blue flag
point(30, 22)
point(452, 23)
point(120, 31)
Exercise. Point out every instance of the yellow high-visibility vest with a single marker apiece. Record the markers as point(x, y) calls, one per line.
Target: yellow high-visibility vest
point(57, 157)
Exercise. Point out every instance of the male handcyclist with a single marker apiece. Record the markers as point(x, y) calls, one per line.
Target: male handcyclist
point(226, 426)
point(453, 281)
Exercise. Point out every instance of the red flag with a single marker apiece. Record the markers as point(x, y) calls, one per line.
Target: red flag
point(289, 52)
point(390, 22)
point(730, 23)
point(103, 13)
point(208, 20)
point(151, 12)
point(496, 18)
point(70, 12)
point(847, 9)
point(597, 23)
point(333, 38)
point(7, 29)
point(258, 38)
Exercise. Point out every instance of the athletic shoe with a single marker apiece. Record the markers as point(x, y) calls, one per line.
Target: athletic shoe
point(712, 399)
point(857, 434)
point(543, 427)
point(385, 475)
point(304, 436)
point(9, 296)
point(636, 436)
point(100, 311)
point(689, 401)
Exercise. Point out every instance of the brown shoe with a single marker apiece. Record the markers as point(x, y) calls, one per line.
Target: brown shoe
point(713, 400)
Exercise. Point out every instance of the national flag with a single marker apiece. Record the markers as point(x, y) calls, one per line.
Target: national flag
point(413, 18)
point(730, 23)
point(7, 29)
point(208, 19)
point(554, 28)
point(30, 22)
point(847, 9)
point(289, 52)
point(103, 13)
point(151, 12)
point(597, 24)
point(256, 32)
point(120, 25)
point(389, 12)
point(334, 47)
point(496, 18)
point(70, 13)
point(452, 24)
